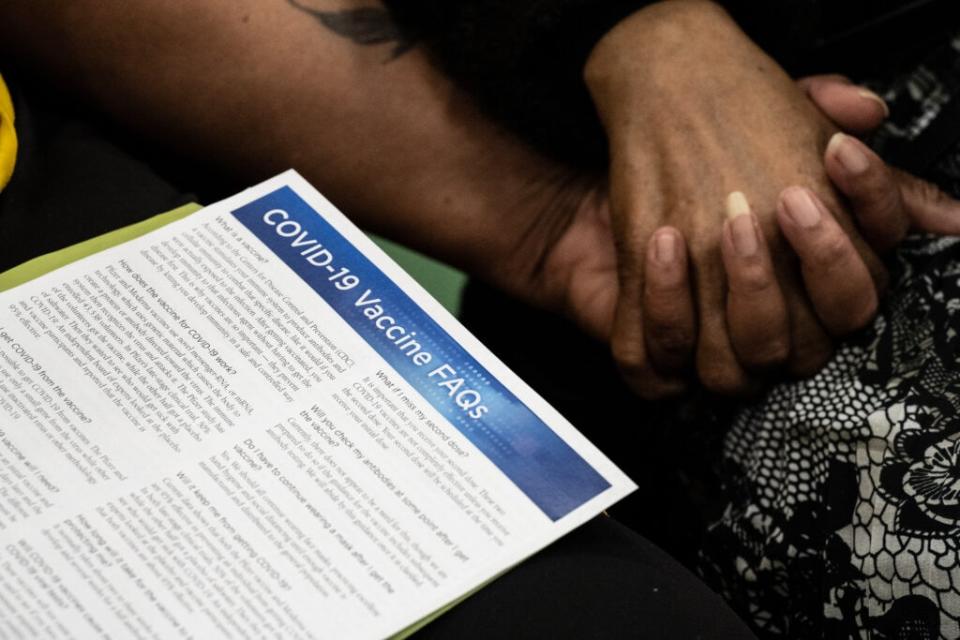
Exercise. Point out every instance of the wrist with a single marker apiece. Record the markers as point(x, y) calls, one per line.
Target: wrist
point(513, 206)
point(459, 188)
point(655, 49)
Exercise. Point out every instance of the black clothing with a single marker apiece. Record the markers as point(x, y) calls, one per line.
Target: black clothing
point(602, 581)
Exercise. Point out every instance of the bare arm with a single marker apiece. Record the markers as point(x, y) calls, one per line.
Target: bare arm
point(329, 88)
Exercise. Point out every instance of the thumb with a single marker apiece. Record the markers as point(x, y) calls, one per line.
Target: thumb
point(928, 208)
point(852, 108)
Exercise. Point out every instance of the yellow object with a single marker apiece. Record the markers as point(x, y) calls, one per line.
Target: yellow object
point(737, 205)
point(8, 137)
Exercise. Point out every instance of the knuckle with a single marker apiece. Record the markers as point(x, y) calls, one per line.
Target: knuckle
point(671, 339)
point(829, 252)
point(637, 371)
point(928, 192)
point(887, 199)
point(723, 379)
point(649, 390)
point(768, 355)
point(753, 280)
point(883, 220)
point(879, 200)
point(664, 285)
point(858, 316)
point(631, 358)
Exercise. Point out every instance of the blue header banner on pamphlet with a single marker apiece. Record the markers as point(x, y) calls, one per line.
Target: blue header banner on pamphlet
point(509, 433)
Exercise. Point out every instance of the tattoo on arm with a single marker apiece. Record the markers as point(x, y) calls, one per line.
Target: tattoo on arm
point(365, 26)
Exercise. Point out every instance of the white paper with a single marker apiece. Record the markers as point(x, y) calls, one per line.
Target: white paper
point(202, 436)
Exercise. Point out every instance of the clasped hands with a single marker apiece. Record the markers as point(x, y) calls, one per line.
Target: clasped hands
point(739, 231)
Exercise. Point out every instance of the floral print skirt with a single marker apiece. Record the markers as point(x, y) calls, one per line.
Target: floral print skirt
point(843, 514)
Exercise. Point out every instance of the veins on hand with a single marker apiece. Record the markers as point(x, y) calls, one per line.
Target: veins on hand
point(366, 26)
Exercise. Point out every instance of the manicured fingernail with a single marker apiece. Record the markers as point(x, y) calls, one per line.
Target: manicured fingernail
point(870, 95)
point(666, 247)
point(801, 208)
point(744, 233)
point(737, 205)
point(848, 153)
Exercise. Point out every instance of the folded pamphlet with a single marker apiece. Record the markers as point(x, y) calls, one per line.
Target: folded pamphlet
point(249, 422)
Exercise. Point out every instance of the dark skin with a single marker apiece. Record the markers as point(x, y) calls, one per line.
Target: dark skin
point(703, 114)
point(329, 89)
point(694, 112)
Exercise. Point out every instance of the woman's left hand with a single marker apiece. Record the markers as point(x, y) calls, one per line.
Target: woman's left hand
point(885, 203)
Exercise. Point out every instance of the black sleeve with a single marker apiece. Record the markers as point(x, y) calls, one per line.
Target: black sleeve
point(523, 61)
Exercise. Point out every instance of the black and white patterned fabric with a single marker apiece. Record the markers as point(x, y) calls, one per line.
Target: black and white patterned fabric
point(843, 515)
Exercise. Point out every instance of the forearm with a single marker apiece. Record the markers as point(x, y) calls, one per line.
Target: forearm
point(261, 86)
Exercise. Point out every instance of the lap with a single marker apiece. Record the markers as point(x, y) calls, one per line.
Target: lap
point(601, 581)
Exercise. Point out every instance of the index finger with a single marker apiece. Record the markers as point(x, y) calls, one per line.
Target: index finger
point(837, 279)
point(628, 337)
point(853, 108)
